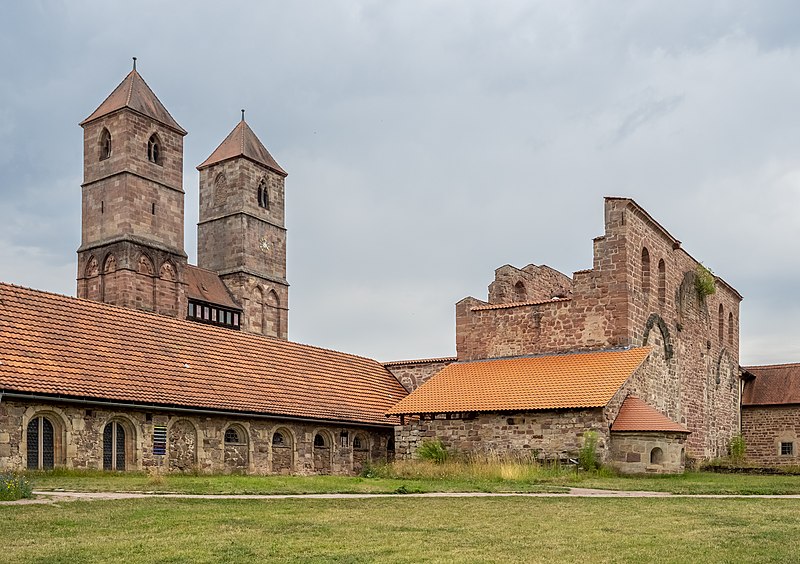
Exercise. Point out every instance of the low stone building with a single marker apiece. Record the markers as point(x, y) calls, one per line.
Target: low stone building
point(771, 414)
point(91, 385)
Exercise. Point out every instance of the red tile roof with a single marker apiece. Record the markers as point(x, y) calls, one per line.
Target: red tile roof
point(51, 344)
point(519, 304)
point(574, 380)
point(242, 142)
point(134, 93)
point(421, 361)
point(636, 415)
point(206, 286)
point(776, 384)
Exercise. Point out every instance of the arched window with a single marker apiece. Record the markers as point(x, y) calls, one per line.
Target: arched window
point(645, 272)
point(656, 456)
point(278, 440)
point(359, 443)
point(662, 283)
point(114, 446)
point(105, 144)
point(263, 194)
point(721, 321)
point(41, 444)
point(232, 436)
point(730, 328)
point(319, 441)
point(154, 153)
point(519, 292)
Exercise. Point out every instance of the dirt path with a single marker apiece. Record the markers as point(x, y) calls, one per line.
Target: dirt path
point(53, 496)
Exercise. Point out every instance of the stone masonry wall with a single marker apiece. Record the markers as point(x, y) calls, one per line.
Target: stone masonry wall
point(633, 453)
point(530, 283)
point(194, 442)
point(765, 428)
point(413, 374)
point(545, 434)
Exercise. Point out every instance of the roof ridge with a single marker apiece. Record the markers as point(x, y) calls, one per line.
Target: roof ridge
point(568, 353)
point(763, 366)
point(132, 74)
point(183, 322)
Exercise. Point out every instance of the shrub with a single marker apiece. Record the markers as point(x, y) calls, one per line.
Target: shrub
point(587, 457)
point(14, 487)
point(737, 448)
point(433, 451)
point(704, 282)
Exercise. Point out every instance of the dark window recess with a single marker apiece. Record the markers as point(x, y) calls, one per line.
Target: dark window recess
point(278, 440)
point(357, 443)
point(154, 150)
point(153, 210)
point(344, 438)
point(213, 315)
point(263, 194)
point(231, 435)
point(159, 440)
point(102, 206)
point(114, 447)
point(319, 440)
point(787, 449)
point(105, 145)
point(148, 417)
point(41, 444)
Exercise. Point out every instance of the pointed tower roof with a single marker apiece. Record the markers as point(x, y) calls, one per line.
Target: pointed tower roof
point(134, 94)
point(242, 142)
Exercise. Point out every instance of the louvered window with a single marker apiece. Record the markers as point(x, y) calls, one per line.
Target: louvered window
point(159, 440)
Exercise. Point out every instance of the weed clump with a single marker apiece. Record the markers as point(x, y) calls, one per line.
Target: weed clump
point(433, 451)
point(13, 487)
point(704, 281)
point(587, 456)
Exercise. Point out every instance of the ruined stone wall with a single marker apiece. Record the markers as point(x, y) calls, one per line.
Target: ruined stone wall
point(412, 374)
point(764, 428)
point(193, 442)
point(641, 290)
point(530, 283)
point(650, 453)
point(543, 434)
point(703, 330)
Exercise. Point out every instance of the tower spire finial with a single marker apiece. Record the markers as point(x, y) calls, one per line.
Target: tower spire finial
point(134, 63)
point(242, 114)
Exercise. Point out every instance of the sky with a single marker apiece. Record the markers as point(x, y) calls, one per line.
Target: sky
point(430, 142)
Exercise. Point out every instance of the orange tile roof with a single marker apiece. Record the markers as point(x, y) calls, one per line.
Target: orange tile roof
point(518, 304)
point(242, 142)
point(525, 383)
point(134, 93)
point(55, 344)
point(206, 286)
point(636, 415)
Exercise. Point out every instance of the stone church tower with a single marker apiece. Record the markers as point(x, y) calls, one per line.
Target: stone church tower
point(131, 251)
point(241, 234)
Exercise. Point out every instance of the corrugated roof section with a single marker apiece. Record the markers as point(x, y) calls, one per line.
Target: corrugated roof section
point(574, 380)
point(242, 142)
point(636, 415)
point(777, 384)
point(53, 344)
point(134, 93)
point(206, 286)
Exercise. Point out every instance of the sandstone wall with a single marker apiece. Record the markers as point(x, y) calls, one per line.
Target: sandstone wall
point(651, 453)
point(545, 434)
point(765, 428)
point(192, 442)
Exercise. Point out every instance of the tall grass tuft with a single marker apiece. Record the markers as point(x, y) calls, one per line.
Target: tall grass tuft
point(432, 451)
point(13, 487)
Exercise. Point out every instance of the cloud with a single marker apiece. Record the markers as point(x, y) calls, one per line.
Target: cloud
point(428, 143)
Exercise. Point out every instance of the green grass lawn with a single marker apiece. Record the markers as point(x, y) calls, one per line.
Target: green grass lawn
point(402, 529)
point(419, 477)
